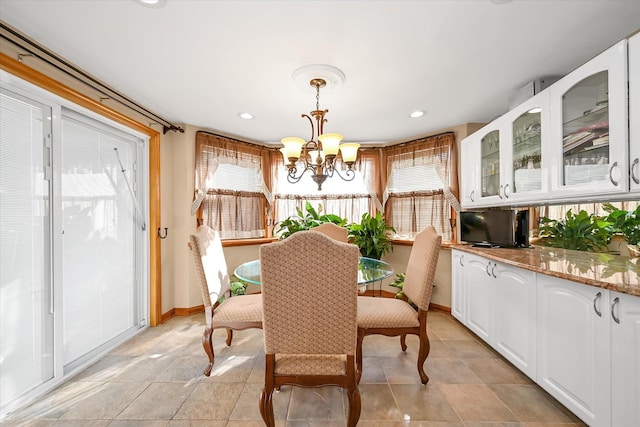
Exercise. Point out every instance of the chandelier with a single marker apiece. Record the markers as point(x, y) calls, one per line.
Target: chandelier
point(319, 155)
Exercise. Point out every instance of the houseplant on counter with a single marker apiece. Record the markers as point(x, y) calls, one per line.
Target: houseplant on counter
point(372, 235)
point(626, 223)
point(582, 232)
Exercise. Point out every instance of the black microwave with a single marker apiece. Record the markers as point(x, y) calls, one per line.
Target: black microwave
point(495, 228)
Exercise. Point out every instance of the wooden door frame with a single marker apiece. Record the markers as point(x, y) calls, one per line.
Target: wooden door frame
point(39, 79)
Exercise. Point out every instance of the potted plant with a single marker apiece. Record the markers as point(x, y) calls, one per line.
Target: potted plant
point(372, 235)
point(626, 223)
point(305, 221)
point(582, 232)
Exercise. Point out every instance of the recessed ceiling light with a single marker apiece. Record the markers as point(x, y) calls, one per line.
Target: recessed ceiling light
point(246, 116)
point(153, 4)
point(535, 110)
point(417, 113)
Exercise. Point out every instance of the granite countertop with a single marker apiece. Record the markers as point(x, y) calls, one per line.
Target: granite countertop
point(615, 272)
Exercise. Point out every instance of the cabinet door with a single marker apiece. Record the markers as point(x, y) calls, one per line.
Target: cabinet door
point(573, 362)
point(470, 171)
point(478, 295)
point(491, 164)
point(457, 285)
point(526, 176)
point(625, 360)
point(514, 329)
point(634, 113)
point(590, 129)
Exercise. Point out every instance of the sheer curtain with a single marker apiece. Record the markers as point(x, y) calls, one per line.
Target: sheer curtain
point(231, 192)
point(421, 185)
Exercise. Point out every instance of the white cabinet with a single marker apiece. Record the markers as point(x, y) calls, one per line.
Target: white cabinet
point(625, 359)
point(514, 316)
point(497, 302)
point(470, 171)
point(478, 296)
point(573, 346)
point(589, 129)
point(457, 285)
point(634, 114)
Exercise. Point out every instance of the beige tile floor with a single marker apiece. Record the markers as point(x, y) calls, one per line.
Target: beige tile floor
point(155, 380)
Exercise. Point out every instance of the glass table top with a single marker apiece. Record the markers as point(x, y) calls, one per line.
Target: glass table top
point(369, 270)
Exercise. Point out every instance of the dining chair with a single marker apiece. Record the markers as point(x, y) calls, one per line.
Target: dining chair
point(220, 309)
point(396, 317)
point(341, 234)
point(309, 298)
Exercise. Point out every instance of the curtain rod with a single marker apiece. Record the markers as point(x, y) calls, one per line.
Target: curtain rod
point(35, 49)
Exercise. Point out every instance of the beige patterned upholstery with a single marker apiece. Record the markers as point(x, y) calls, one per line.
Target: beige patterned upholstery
point(239, 312)
point(394, 317)
point(309, 297)
point(341, 234)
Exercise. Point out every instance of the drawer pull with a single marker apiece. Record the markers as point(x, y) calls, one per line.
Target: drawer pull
point(613, 313)
point(595, 304)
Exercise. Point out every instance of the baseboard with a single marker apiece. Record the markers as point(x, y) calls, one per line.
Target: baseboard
point(441, 308)
point(182, 312)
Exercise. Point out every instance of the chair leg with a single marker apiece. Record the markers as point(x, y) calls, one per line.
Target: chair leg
point(229, 336)
point(425, 347)
point(353, 414)
point(359, 355)
point(207, 344)
point(266, 406)
point(403, 342)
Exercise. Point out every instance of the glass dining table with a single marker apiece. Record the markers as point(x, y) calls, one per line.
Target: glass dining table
point(370, 271)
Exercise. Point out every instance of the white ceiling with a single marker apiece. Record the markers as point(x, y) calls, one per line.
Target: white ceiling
point(202, 62)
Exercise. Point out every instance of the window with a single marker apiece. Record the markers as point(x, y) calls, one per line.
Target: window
point(419, 186)
point(230, 186)
point(347, 199)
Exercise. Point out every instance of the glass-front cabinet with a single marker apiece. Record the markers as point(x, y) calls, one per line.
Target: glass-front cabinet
point(527, 130)
point(634, 114)
point(589, 128)
point(490, 164)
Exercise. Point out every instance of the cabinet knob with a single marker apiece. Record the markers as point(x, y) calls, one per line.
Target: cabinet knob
point(614, 165)
point(595, 304)
point(634, 165)
point(613, 313)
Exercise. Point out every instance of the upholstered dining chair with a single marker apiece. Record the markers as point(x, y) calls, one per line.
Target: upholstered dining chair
point(341, 234)
point(238, 312)
point(395, 317)
point(309, 298)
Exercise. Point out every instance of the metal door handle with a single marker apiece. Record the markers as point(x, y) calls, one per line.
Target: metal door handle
point(493, 270)
point(613, 313)
point(471, 195)
point(499, 190)
point(614, 182)
point(487, 269)
point(595, 302)
point(506, 196)
point(460, 261)
point(635, 177)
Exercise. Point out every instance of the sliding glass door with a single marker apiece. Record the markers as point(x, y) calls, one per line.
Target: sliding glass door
point(26, 298)
point(73, 283)
point(100, 223)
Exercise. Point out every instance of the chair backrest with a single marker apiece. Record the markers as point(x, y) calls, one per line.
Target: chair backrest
point(309, 295)
point(211, 265)
point(341, 234)
point(418, 282)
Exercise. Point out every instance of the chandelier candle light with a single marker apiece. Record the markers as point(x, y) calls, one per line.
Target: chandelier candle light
point(318, 155)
